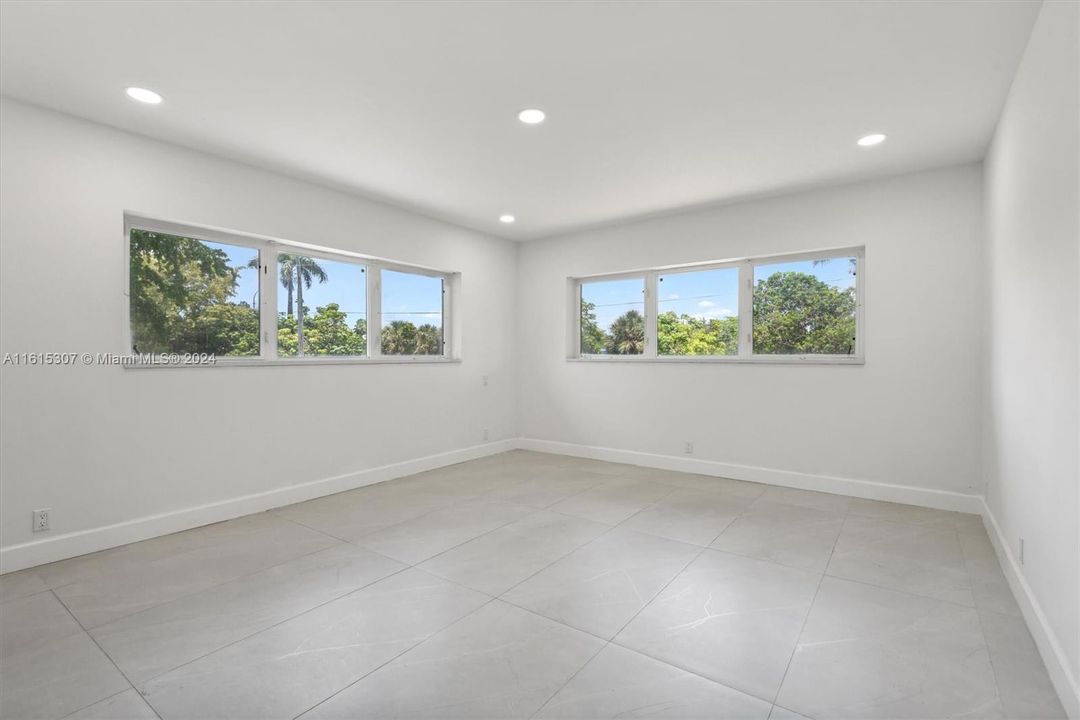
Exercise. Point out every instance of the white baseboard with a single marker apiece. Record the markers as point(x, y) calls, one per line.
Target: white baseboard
point(1053, 655)
point(910, 495)
point(68, 545)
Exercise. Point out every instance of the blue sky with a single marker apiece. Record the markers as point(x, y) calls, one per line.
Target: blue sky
point(417, 298)
point(702, 293)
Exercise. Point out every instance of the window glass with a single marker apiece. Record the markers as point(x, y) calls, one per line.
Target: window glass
point(805, 307)
point(698, 313)
point(321, 306)
point(412, 314)
point(193, 296)
point(613, 317)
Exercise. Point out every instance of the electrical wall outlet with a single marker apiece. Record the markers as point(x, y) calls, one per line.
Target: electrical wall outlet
point(485, 434)
point(41, 520)
point(484, 380)
point(689, 449)
point(1021, 551)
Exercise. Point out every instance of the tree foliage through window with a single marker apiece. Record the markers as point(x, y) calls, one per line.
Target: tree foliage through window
point(184, 299)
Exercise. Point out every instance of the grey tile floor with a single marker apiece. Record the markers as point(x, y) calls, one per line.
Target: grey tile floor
point(529, 585)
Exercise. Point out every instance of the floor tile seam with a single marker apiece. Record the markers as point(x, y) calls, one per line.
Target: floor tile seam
point(107, 656)
point(989, 655)
point(250, 635)
point(897, 521)
point(304, 525)
point(569, 680)
point(395, 657)
point(27, 595)
point(980, 576)
point(787, 709)
point(576, 517)
point(619, 477)
point(212, 586)
point(806, 619)
point(727, 525)
point(556, 560)
point(655, 595)
point(787, 566)
point(453, 504)
point(417, 565)
point(110, 697)
point(74, 631)
point(483, 534)
point(615, 641)
point(973, 606)
point(902, 591)
point(658, 502)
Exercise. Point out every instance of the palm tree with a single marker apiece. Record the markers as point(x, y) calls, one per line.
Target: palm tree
point(297, 273)
point(627, 334)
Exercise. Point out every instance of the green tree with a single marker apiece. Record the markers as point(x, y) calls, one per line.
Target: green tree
point(690, 335)
point(181, 292)
point(328, 333)
point(627, 334)
point(222, 329)
point(401, 337)
point(796, 313)
point(166, 272)
point(593, 338)
point(428, 340)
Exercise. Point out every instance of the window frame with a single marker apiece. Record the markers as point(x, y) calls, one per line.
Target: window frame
point(645, 298)
point(268, 249)
point(446, 320)
point(745, 353)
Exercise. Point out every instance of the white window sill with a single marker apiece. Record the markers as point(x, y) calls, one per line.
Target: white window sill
point(298, 362)
point(727, 360)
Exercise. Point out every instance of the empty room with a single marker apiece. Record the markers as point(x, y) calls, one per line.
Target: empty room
point(539, 359)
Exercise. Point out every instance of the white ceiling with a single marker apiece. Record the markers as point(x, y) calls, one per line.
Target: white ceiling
point(652, 106)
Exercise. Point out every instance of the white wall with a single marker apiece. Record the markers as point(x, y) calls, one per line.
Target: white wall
point(909, 416)
point(1032, 373)
point(104, 445)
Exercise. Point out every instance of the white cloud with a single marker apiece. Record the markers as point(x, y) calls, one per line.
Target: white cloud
point(713, 313)
point(672, 296)
point(706, 304)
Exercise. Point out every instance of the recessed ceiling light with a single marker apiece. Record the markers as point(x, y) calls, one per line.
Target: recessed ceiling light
point(143, 95)
point(532, 116)
point(507, 219)
point(871, 140)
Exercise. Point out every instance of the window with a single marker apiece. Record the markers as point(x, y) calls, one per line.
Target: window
point(804, 307)
point(192, 296)
point(251, 300)
point(321, 308)
point(412, 310)
point(698, 313)
point(613, 317)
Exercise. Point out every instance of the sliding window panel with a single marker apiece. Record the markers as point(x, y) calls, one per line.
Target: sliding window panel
point(806, 307)
point(613, 317)
point(698, 313)
point(412, 309)
point(321, 307)
point(192, 296)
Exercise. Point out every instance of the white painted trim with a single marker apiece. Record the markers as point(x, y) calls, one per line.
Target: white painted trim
point(908, 494)
point(1053, 655)
point(61, 547)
